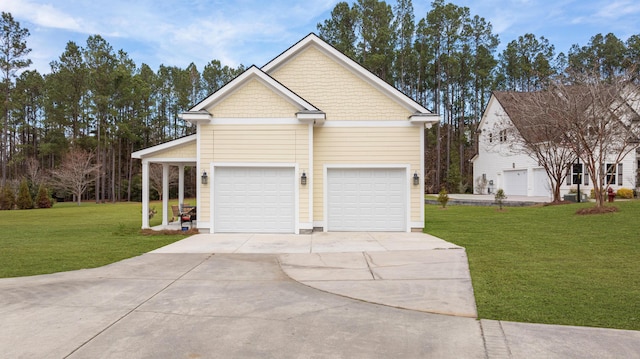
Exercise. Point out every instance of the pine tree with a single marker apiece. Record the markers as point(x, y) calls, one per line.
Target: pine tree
point(24, 200)
point(43, 200)
point(7, 198)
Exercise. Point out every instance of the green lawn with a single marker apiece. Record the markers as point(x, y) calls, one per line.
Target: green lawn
point(547, 264)
point(535, 264)
point(68, 237)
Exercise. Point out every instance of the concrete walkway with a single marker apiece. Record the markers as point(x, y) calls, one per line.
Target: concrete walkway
point(489, 200)
point(248, 296)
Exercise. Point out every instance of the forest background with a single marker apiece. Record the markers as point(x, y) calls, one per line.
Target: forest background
point(99, 101)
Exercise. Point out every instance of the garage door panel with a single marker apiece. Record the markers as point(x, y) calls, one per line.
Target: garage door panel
point(254, 200)
point(366, 199)
point(515, 183)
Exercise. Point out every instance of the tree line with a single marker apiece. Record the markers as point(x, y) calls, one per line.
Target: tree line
point(100, 101)
point(448, 61)
point(95, 100)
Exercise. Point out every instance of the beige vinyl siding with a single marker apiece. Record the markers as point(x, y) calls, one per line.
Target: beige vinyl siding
point(256, 144)
point(187, 151)
point(254, 100)
point(335, 90)
point(361, 146)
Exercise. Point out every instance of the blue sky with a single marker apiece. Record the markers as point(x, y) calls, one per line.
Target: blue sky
point(173, 32)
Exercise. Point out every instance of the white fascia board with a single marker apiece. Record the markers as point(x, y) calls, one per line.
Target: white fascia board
point(254, 73)
point(314, 117)
point(163, 146)
point(353, 66)
point(428, 119)
point(195, 116)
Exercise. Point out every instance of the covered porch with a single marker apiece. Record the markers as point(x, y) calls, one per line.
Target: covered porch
point(180, 153)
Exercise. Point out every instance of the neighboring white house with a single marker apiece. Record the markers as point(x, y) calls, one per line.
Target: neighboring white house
point(499, 164)
point(310, 141)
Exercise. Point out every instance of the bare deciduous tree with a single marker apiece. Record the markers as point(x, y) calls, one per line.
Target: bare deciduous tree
point(33, 172)
point(605, 125)
point(582, 117)
point(155, 177)
point(532, 129)
point(75, 173)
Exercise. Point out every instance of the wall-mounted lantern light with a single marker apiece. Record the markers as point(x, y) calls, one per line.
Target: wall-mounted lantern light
point(416, 179)
point(303, 178)
point(205, 178)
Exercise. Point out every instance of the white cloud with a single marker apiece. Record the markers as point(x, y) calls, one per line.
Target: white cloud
point(617, 9)
point(45, 15)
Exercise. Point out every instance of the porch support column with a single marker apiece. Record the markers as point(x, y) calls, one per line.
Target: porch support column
point(181, 185)
point(145, 194)
point(165, 194)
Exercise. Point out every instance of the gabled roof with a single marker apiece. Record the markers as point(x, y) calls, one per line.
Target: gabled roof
point(313, 40)
point(513, 104)
point(306, 110)
point(254, 73)
point(554, 104)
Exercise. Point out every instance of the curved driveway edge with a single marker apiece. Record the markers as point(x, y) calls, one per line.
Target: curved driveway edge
point(435, 281)
point(194, 300)
point(413, 271)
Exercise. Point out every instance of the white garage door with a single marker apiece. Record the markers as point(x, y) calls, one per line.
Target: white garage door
point(366, 199)
point(515, 183)
point(259, 200)
point(541, 186)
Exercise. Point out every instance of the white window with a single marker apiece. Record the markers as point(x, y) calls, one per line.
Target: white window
point(503, 136)
point(611, 173)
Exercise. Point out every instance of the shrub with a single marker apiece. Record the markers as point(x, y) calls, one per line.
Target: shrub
point(43, 199)
point(593, 193)
point(500, 197)
point(24, 200)
point(624, 193)
point(443, 197)
point(7, 198)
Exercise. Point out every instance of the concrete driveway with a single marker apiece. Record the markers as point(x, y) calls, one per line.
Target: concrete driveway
point(256, 296)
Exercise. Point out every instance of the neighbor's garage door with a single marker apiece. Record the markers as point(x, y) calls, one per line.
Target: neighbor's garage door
point(541, 186)
point(257, 200)
point(515, 183)
point(366, 199)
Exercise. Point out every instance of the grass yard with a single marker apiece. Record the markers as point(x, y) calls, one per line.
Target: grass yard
point(68, 237)
point(547, 264)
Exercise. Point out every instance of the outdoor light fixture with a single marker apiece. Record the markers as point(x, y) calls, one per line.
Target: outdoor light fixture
point(205, 178)
point(416, 179)
point(303, 179)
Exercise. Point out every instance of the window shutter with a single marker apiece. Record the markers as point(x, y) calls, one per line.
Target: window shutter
point(619, 174)
point(586, 177)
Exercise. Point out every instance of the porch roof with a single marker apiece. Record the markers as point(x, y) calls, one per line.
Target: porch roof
point(179, 150)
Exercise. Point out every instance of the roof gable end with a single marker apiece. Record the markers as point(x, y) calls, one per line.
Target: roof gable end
point(253, 73)
point(351, 65)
